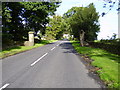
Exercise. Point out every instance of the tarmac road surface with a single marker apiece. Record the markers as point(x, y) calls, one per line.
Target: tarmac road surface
point(54, 65)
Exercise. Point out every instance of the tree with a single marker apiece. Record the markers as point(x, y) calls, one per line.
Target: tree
point(113, 36)
point(33, 14)
point(36, 14)
point(54, 29)
point(84, 22)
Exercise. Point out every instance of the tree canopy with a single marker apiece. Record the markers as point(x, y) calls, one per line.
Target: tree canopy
point(55, 28)
point(83, 19)
point(20, 17)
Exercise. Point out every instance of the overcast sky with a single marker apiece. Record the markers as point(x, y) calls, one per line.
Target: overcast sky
point(108, 23)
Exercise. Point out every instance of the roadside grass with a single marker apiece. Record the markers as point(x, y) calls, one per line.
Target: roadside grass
point(96, 40)
point(18, 49)
point(107, 62)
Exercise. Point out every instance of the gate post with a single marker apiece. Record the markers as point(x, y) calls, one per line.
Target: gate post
point(31, 38)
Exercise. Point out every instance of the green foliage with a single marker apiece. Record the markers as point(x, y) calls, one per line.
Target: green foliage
point(83, 18)
point(112, 42)
point(107, 62)
point(7, 41)
point(34, 14)
point(54, 29)
point(18, 49)
point(11, 20)
point(112, 46)
point(0, 8)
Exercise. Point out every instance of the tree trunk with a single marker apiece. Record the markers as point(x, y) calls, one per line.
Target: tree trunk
point(82, 33)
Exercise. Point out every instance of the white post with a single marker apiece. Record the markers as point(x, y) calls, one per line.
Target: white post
point(31, 38)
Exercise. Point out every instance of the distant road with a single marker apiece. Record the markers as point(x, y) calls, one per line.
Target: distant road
point(55, 65)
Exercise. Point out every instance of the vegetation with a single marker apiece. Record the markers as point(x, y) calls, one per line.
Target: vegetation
point(83, 22)
point(113, 41)
point(107, 62)
point(34, 16)
point(18, 18)
point(112, 45)
point(18, 49)
point(54, 29)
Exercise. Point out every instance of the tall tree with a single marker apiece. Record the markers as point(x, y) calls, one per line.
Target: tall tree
point(33, 14)
point(84, 22)
point(54, 28)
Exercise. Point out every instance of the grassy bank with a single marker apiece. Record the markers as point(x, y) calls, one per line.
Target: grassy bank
point(107, 62)
point(18, 49)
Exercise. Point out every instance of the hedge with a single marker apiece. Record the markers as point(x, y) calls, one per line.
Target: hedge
point(113, 48)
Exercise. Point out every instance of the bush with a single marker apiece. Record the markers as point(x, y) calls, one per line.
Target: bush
point(76, 39)
point(112, 46)
point(37, 40)
point(6, 40)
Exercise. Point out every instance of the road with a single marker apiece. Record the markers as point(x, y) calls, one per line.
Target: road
point(54, 65)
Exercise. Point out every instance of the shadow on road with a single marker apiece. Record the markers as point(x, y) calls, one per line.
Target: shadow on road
point(67, 46)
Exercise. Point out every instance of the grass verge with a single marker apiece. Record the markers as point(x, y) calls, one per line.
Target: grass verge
point(18, 49)
point(107, 62)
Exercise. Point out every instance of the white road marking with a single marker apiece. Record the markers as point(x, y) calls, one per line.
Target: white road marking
point(53, 48)
point(4, 86)
point(59, 43)
point(38, 59)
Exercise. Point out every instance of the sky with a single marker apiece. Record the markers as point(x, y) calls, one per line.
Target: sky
point(108, 23)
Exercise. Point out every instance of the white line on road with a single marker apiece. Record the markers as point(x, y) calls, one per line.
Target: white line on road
point(4, 86)
point(38, 59)
point(53, 48)
point(59, 43)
